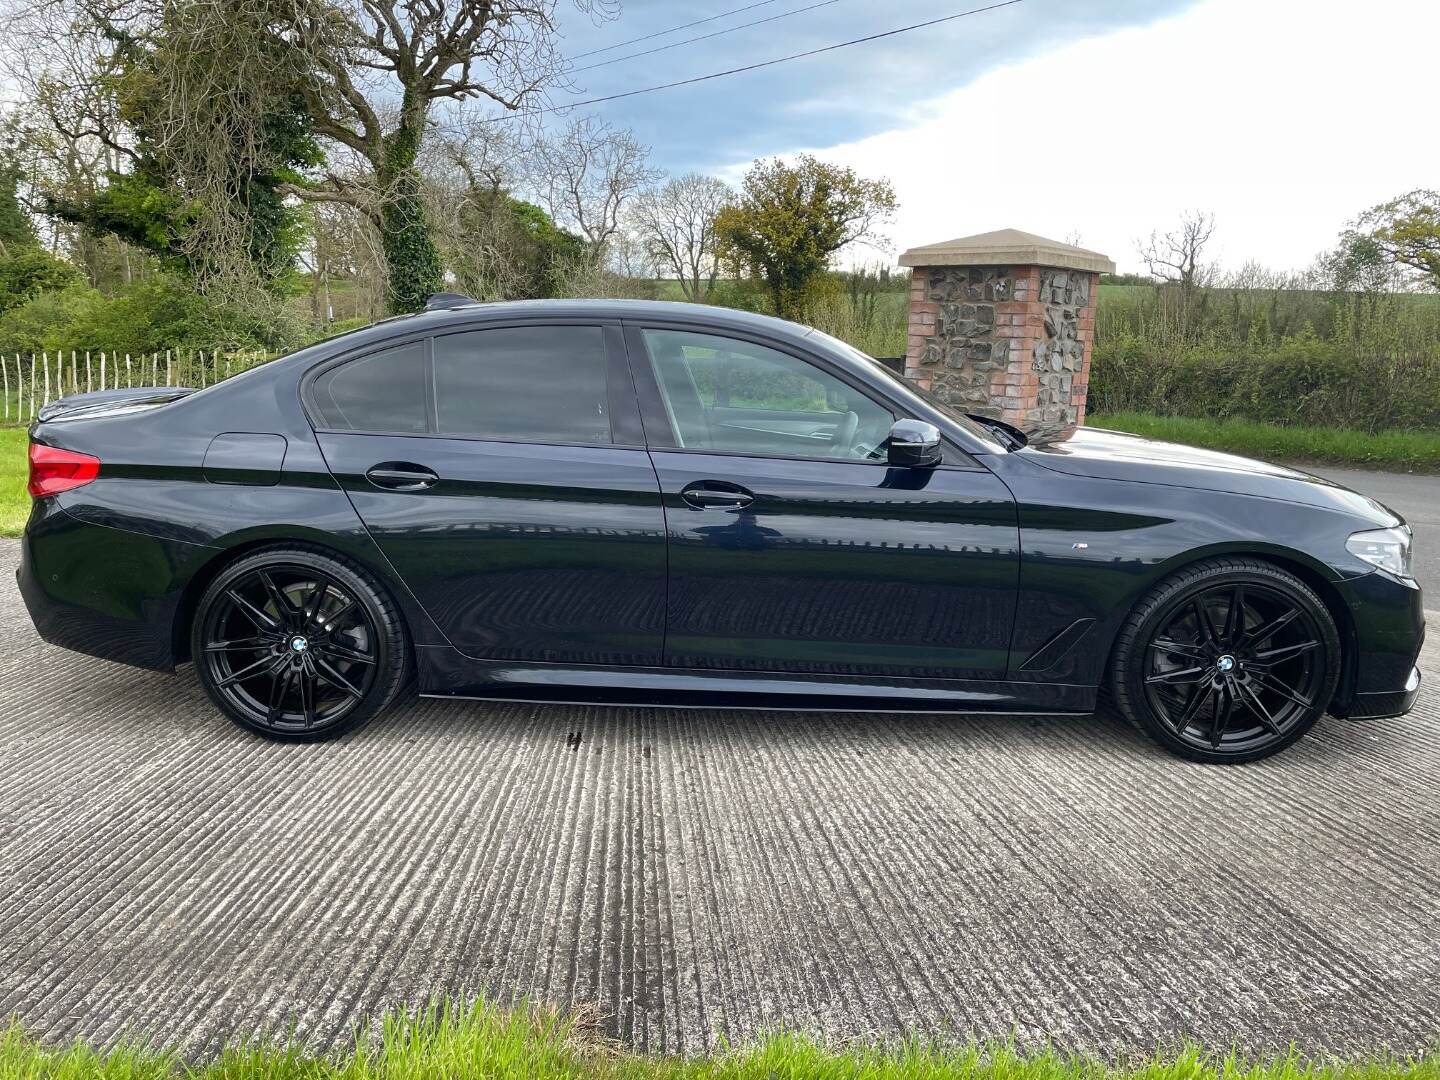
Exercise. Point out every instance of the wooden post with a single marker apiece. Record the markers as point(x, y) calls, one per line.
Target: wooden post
point(46, 362)
point(167, 367)
point(89, 377)
point(33, 375)
point(154, 369)
point(102, 371)
point(128, 383)
point(5, 371)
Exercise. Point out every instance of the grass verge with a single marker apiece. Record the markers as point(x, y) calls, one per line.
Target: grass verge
point(1413, 451)
point(457, 1043)
point(14, 471)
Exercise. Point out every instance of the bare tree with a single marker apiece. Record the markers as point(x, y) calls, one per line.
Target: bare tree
point(589, 172)
point(676, 223)
point(343, 248)
point(1175, 255)
point(67, 130)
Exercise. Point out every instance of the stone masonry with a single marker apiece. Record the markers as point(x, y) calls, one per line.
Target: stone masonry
point(1009, 340)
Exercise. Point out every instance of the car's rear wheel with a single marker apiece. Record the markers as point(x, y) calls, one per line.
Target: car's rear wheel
point(1227, 661)
point(297, 644)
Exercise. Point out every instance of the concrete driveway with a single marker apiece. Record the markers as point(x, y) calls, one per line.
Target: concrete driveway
point(705, 874)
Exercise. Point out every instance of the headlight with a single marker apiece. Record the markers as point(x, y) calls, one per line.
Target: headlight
point(1388, 549)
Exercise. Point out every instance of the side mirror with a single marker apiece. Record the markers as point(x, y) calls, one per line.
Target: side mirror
point(914, 444)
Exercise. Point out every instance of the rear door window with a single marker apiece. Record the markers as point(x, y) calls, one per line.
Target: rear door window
point(542, 384)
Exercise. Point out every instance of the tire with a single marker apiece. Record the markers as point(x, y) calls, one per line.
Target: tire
point(298, 644)
point(1244, 683)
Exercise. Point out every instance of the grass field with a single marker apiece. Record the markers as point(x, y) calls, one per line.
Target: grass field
point(475, 1042)
point(1411, 451)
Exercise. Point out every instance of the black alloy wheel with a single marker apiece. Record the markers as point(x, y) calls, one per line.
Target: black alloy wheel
point(1229, 661)
point(298, 645)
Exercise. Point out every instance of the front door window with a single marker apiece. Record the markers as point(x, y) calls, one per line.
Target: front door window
point(724, 394)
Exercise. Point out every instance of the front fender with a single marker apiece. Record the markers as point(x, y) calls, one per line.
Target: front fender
point(1092, 547)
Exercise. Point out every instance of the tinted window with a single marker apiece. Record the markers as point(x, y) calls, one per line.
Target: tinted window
point(527, 383)
point(727, 394)
point(384, 391)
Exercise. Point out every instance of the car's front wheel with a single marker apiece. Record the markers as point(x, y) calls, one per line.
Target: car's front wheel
point(298, 644)
point(1227, 661)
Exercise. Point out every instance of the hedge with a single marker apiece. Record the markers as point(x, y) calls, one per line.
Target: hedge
point(1301, 380)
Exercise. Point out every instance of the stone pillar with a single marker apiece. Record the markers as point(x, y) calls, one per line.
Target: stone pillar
point(1002, 324)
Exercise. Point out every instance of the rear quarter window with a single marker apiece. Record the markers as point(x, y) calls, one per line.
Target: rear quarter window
point(382, 392)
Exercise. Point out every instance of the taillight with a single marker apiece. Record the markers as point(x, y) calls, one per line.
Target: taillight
point(53, 470)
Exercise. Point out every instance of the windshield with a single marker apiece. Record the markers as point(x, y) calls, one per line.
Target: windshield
point(979, 431)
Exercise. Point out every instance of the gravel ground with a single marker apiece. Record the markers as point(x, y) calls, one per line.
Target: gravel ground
point(705, 875)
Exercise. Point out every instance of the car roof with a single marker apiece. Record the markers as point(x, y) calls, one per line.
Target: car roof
point(457, 317)
point(668, 310)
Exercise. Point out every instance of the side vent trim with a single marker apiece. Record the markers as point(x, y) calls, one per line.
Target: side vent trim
point(1055, 650)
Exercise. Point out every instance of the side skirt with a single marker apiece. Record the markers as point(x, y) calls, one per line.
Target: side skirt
point(447, 673)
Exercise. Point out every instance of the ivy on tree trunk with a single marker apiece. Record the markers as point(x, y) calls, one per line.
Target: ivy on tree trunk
point(411, 260)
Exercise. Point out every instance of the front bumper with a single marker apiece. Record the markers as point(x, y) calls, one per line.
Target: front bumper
point(1381, 706)
point(1382, 677)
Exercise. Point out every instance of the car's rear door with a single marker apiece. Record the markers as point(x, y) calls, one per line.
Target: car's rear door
point(793, 545)
point(501, 470)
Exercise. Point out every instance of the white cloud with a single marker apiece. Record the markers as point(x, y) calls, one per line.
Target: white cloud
point(1285, 118)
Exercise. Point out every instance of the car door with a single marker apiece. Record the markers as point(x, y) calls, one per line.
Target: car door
point(501, 470)
point(793, 545)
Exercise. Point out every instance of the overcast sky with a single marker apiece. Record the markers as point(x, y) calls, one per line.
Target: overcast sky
point(1106, 118)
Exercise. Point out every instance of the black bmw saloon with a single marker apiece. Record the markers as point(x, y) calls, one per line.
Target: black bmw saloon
point(664, 504)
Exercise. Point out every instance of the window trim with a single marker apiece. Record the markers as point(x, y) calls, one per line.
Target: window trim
point(656, 413)
point(624, 415)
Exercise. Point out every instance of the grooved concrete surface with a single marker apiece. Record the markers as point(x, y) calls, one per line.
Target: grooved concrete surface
point(704, 874)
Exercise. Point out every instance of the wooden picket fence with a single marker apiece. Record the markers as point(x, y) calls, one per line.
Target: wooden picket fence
point(27, 383)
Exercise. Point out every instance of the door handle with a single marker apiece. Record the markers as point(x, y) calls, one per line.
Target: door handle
point(401, 476)
point(716, 495)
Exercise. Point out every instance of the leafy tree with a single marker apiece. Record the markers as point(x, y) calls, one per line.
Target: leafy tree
point(17, 231)
point(375, 72)
point(790, 220)
point(30, 272)
point(1407, 230)
point(200, 142)
point(1357, 264)
point(26, 269)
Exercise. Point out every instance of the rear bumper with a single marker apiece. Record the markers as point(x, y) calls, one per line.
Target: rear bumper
point(1383, 674)
point(102, 591)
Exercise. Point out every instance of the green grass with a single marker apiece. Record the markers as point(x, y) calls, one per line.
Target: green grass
point(1416, 451)
point(14, 470)
point(457, 1043)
